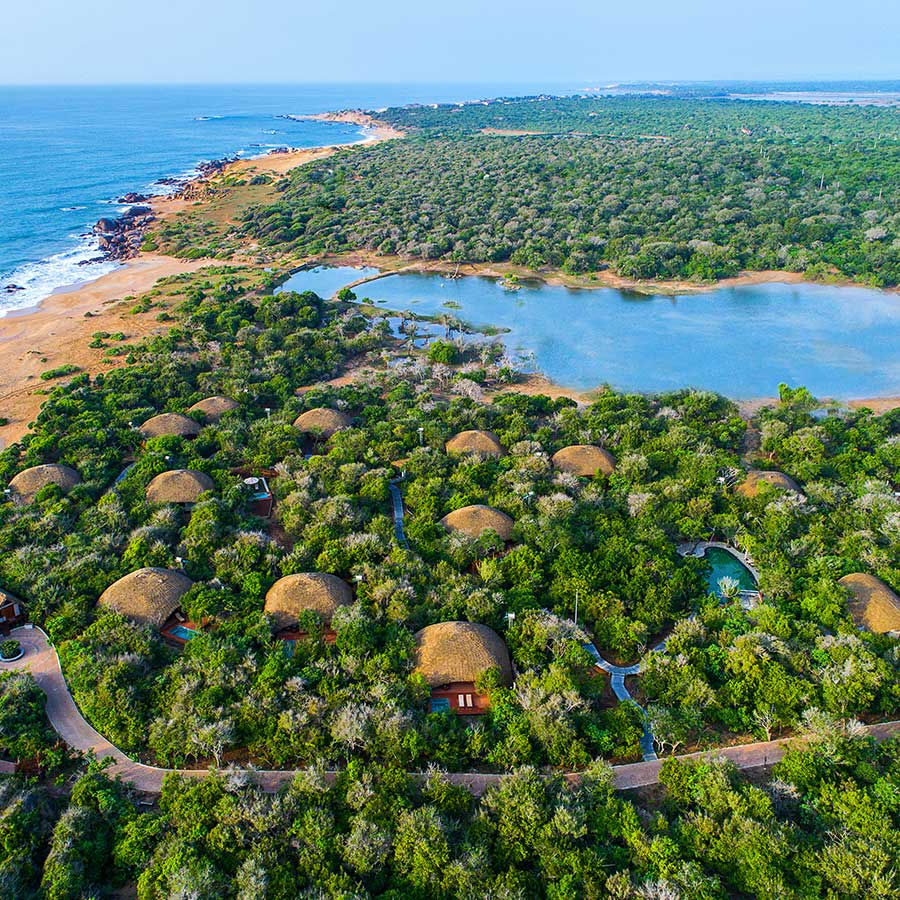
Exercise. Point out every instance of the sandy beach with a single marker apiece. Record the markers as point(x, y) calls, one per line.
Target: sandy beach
point(58, 331)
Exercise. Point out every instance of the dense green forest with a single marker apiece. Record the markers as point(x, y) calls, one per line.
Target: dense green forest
point(235, 694)
point(653, 188)
point(824, 825)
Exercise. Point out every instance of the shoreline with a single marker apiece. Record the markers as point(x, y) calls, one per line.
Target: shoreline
point(275, 161)
point(55, 331)
point(603, 279)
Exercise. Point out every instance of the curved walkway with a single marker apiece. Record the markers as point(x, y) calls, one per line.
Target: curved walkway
point(42, 661)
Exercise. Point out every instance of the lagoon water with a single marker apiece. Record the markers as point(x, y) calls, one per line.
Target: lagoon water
point(839, 342)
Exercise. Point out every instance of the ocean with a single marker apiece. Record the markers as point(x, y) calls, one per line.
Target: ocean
point(68, 153)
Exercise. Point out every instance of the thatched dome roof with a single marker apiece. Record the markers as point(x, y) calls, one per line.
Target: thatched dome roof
point(29, 481)
point(320, 420)
point(475, 520)
point(170, 424)
point(213, 408)
point(148, 596)
point(460, 652)
point(874, 606)
point(749, 487)
point(294, 594)
point(476, 443)
point(584, 460)
point(7, 597)
point(179, 486)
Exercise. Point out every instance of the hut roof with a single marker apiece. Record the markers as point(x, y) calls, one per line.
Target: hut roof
point(294, 594)
point(6, 598)
point(476, 443)
point(873, 606)
point(29, 481)
point(475, 520)
point(178, 486)
point(170, 424)
point(749, 487)
point(147, 596)
point(584, 460)
point(213, 408)
point(322, 421)
point(459, 652)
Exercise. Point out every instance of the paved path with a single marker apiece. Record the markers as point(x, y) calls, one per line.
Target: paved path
point(397, 500)
point(617, 675)
point(41, 660)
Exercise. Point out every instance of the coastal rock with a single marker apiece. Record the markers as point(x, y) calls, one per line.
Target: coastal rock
point(106, 226)
point(12, 288)
point(133, 198)
point(121, 238)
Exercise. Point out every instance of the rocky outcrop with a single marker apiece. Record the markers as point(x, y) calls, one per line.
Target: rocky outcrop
point(133, 198)
point(121, 238)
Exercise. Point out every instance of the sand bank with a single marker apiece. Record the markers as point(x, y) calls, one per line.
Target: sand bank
point(58, 331)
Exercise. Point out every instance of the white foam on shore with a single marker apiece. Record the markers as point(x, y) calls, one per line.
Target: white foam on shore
point(41, 279)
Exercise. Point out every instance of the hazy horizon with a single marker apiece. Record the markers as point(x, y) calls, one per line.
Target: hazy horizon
point(99, 42)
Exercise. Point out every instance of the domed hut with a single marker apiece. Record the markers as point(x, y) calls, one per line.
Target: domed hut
point(750, 486)
point(170, 424)
point(28, 482)
point(213, 408)
point(152, 596)
point(294, 595)
point(11, 612)
point(475, 520)
point(873, 605)
point(584, 460)
point(485, 444)
point(452, 656)
point(179, 486)
point(322, 422)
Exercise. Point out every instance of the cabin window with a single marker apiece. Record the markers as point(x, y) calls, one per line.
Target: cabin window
point(440, 704)
point(469, 700)
point(461, 700)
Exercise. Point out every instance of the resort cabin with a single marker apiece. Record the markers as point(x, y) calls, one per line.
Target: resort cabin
point(750, 486)
point(292, 596)
point(11, 613)
point(873, 605)
point(170, 425)
point(28, 482)
point(213, 408)
point(322, 423)
point(182, 486)
point(484, 444)
point(584, 460)
point(452, 656)
point(152, 597)
point(474, 521)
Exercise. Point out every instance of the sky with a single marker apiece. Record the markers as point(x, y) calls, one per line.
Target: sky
point(589, 41)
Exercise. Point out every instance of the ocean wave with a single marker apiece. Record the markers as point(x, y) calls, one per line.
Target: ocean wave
point(40, 279)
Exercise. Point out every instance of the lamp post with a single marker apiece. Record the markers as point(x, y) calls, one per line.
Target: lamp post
point(576, 609)
point(421, 431)
point(268, 412)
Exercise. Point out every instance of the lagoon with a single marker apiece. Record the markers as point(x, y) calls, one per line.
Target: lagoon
point(840, 342)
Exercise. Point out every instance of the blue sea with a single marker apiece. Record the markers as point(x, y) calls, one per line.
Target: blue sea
point(68, 153)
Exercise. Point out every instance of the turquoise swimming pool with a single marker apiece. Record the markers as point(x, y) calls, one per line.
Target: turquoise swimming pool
point(723, 564)
point(180, 631)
